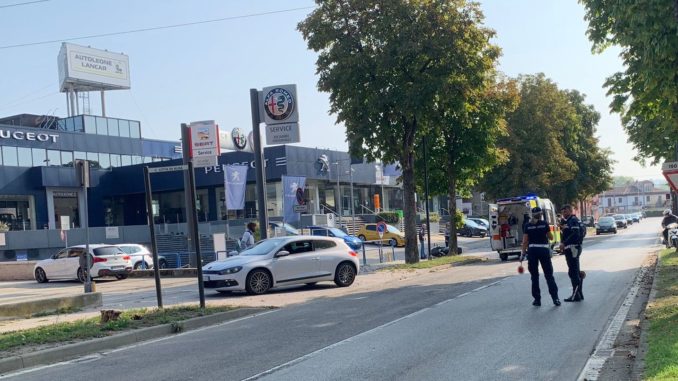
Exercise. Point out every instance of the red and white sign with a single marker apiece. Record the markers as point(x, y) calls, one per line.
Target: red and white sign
point(670, 171)
point(204, 143)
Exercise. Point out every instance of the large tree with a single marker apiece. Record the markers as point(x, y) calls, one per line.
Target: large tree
point(387, 66)
point(645, 94)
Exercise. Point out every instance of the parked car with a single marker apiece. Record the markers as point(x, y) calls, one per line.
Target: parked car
point(353, 242)
point(588, 221)
point(635, 217)
point(621, 221)
point(395, 237)
point(606, 225)
point(107, 260)
point(471, 229)
point(629, 219)
point(480, 221)
point(141, 256)
point(287, 228)
point(284, 261)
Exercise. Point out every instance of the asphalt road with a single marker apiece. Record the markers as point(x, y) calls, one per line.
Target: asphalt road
point(434, 327)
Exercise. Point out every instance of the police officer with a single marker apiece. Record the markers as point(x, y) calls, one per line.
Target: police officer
point(536, 244)
point(668, 219)
point(571, 246)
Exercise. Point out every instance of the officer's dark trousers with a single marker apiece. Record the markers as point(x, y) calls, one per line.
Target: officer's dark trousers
point(573, 270)
point(535, 256)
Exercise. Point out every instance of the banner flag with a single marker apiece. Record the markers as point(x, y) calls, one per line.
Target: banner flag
point(235, 184)
point(293, 190)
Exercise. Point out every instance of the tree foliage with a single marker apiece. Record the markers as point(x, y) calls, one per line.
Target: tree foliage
point(390, 69)
point(645, 94)
point(552, 148)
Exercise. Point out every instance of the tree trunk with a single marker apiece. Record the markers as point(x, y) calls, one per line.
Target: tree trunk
point(409, 209)
point(452, 195)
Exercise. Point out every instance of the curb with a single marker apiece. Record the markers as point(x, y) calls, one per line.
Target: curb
point(70, 351)
point(28, 308)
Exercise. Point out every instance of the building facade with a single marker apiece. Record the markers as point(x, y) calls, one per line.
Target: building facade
point(634, 197)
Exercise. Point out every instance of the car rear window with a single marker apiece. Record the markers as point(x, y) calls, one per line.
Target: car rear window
point(107, 250)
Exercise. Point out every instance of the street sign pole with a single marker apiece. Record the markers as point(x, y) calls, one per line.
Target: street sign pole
point(185, 153)
point(196, 235)
point(259, 163)
point(154, 243)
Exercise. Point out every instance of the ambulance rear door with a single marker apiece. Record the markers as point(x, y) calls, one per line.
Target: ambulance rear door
point(495, 233)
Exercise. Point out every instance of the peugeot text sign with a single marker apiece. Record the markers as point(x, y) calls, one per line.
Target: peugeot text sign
point(280, 113)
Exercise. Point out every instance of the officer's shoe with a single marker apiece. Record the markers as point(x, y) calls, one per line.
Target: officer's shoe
point(573, 298)
point(536, 303)
point(556, 302)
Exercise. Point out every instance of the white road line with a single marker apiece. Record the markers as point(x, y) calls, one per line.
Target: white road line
point(348, 340)
point(605, 348)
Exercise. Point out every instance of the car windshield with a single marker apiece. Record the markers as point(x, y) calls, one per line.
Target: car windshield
point(107, 250)
point(263, 247)
point(393, 229)
point(606, 220)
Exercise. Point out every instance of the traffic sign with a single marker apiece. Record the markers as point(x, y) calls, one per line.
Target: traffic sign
point(670, 166)
point(670, 171)
point(170, 168)
point(381, 228)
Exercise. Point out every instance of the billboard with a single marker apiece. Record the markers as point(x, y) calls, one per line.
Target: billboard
point(83, 68)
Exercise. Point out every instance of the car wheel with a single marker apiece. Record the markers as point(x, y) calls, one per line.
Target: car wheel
point(121, 276)
point(392, 242)
point(258, 282)
point(162, 264)
point(81, 275)
point(482, 235)
point(362, 238)
point(503, 256)
point(344, 275)
point(139, 266)
point(40, 275)
point(614, 231)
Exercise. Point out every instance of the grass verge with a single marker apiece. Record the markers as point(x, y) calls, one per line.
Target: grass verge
point(91, 328)
point(661, 362)
point(453, 260)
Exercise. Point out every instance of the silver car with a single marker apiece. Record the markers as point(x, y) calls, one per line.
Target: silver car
point(284, 261)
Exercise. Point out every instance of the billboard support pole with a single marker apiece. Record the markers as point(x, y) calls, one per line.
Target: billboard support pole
point(259, 163)
point(103, 104)
point(185, 153)
point(196, 235)
point(72, 94)
point(154, 243)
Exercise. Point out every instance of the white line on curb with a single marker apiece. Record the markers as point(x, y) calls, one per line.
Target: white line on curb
point(605, 348)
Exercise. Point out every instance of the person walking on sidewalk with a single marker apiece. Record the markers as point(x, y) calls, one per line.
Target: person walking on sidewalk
point(247, 239)
point(536, 244)
point(571, 246)
point(422, 235)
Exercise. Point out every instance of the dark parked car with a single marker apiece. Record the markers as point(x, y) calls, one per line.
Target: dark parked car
point(588, 221)
point(471, 229)
point(629, 219)
point(636, 217)
point(620, 219)
point(606, 225)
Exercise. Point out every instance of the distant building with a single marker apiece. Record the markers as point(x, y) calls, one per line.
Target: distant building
point(633, 197)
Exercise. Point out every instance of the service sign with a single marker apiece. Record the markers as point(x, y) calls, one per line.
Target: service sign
point(282, 134)
point(279, 104)
point(204, 143)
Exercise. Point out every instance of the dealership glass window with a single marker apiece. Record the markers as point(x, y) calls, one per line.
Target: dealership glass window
point(115, 160)
point(124, 128)
point(113, 127)
point(39, 157)
point(102, 126)
point(90, 125)
point(61, 124)
point(274, 199)
point(77, 124)
point(134, 129)
point(104, 160)
point(54, 157)
point(125, 160)
point(66, 205)
point(79, 155)
point(69, 124)
point(137, 159)
point(67, 158)
point(93, 158)
point(24, 155)
point(9, 156)
point(148, 159)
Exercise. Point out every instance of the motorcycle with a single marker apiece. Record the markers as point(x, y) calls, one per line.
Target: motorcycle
point(672, 236)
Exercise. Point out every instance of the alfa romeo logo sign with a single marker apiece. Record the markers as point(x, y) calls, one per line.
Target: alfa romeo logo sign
point(239, 139)
point(278, 104)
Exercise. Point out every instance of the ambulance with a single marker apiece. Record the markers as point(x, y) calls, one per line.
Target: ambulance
point(508, 217)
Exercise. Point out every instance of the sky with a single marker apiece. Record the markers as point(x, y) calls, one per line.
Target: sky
point(205, 72)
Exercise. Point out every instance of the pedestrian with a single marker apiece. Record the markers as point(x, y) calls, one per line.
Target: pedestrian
point(536, 244)
point(247, 239)
point(571, 245)
point(422, 235)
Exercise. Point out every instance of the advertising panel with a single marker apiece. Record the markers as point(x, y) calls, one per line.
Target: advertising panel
point(83, 69)
point(204, 143)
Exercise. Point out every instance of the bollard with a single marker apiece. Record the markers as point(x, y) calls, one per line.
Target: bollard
point(393, 252)
point(364, 256)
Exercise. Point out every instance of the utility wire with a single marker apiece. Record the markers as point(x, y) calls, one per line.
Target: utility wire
point(24, 3)
point(153, 28)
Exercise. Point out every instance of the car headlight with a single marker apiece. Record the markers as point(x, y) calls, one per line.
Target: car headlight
point(230, 270)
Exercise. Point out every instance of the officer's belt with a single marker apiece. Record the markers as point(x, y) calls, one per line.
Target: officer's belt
point(546, 245)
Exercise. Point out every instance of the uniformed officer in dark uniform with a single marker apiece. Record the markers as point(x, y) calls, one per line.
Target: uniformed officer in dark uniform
point(536, 244)
point(571, 246)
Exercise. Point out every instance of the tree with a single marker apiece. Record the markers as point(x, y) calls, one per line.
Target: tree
point(387, 68)
point(645, 94)
point(620, 181)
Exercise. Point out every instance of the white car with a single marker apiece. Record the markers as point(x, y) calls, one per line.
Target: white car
point(107, 260)
point(284, 261)
point(142, 258)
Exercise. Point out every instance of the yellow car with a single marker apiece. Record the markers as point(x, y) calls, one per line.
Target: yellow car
point(369, 233)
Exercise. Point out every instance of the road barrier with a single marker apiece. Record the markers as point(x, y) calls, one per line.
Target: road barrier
point(382, 248)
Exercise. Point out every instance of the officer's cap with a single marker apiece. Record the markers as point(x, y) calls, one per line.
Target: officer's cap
point(537, 210)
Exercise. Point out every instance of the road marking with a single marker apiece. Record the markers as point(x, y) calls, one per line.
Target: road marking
point(350, 339)
point(605, 348)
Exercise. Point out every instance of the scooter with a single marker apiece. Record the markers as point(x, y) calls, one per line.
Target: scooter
point(672, 235)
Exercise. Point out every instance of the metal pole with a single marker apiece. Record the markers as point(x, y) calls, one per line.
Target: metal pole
point(196, 235)
point(72, 96)
point(88, 283)
point(259, 163)
point(186, 155)
point(428, 224)
point(338, 206)
point(352, 199)
point(68, 107)
point(103, 104)
point(154, 243)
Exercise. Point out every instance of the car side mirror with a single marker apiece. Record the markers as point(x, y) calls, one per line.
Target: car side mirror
point(282, 253)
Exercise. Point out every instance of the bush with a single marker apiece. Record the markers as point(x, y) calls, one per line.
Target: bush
point(3, 227)
point(388, 217)
point(434, 217)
